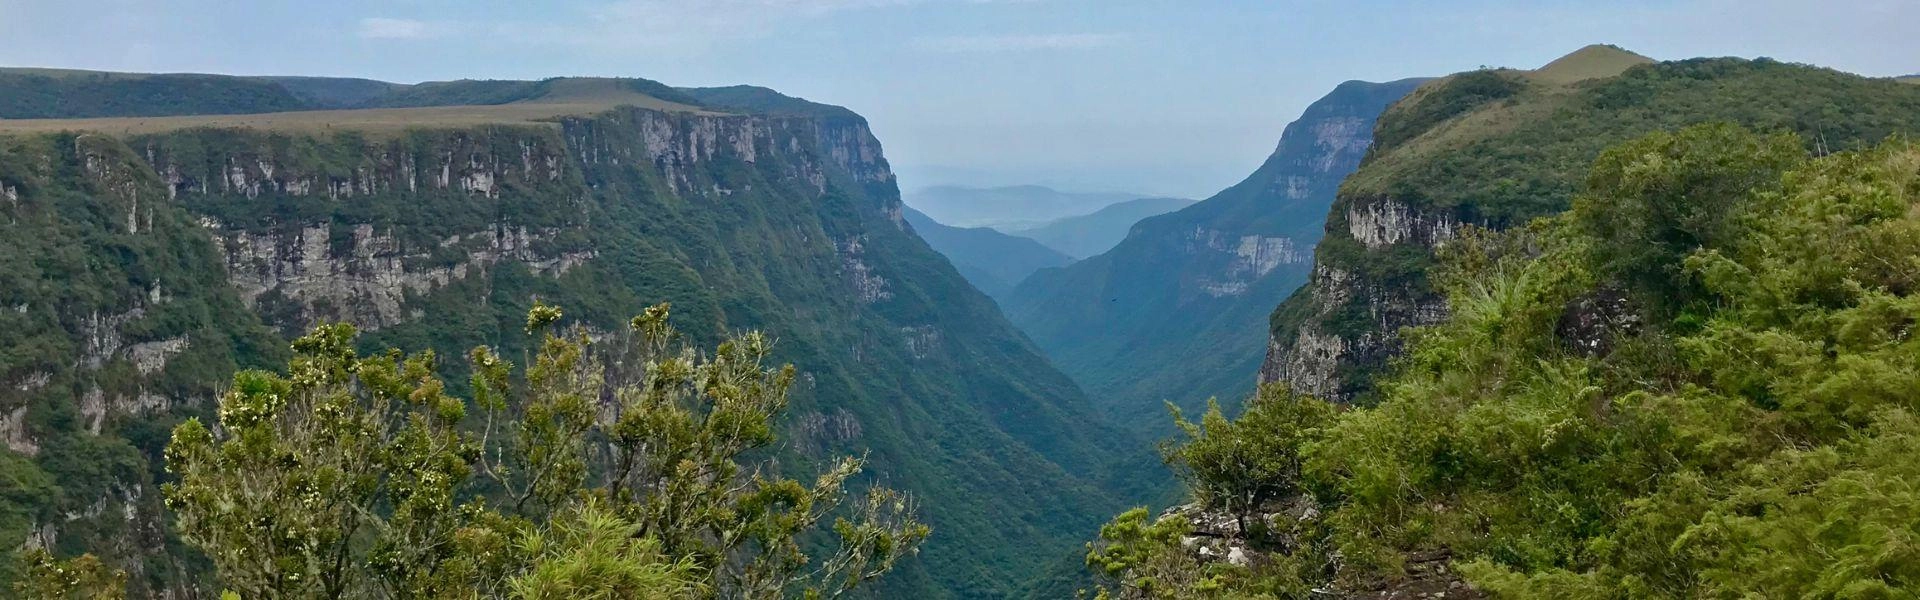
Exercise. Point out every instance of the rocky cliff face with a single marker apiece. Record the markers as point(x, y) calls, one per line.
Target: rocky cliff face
point(1173, 311)
point(182, 253)
point(1345, 316)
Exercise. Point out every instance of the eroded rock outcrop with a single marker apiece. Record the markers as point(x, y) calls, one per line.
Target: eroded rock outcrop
point(368, 280)
point(1340, 318)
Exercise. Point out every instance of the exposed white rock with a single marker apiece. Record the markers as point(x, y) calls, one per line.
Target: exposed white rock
point(1259, 255)
point(1247, 258)
point(1379, 224)
point(867, 283)
point(921, 341)
point(151, 357)
point(93, 407)
point(814, 432)
point(1298, 187)
point(1340, 140)
point(1237, 556)
point(1222, 290)
point(1308, 365)
point(96, 406)
point(368, 284)
point(101, 336)
point(33, 381)
point(13, 427)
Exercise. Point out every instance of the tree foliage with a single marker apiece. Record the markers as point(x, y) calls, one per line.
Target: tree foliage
point(1240, 465)
point(602, 470)
point(81, 578)
point(1744, 431)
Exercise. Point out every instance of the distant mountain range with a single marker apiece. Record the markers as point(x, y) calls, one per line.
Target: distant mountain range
point(992, 261)
point(997, 258)
point(1091, 234)
point(1010, 207)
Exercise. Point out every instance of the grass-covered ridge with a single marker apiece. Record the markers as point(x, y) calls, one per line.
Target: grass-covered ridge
point(1501, 147)
point(1506, 147)
point(53, 100)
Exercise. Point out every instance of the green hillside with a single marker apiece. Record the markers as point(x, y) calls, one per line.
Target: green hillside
point(1499, 148)
point(1592, 62)
point(188, 252)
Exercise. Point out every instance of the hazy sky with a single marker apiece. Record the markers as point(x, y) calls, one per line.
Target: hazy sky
point(1161, 96)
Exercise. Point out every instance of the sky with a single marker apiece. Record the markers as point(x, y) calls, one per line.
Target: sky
point(1168, 97)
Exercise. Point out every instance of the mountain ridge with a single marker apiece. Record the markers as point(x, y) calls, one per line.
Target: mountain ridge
point(1008, 207)
point(1081, 236)
point(1163, 316)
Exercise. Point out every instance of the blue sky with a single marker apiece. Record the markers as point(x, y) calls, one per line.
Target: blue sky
point(1160, 96)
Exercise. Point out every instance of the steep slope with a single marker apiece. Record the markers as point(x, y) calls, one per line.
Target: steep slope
point(992, 261)
point(1498, 148)
point(1007, 207)
point(1090, 234)
point(1162, 315)
point(440, 236)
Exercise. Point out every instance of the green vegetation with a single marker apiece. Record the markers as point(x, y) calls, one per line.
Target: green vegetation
point(70, 94)
point(758, 100)
point(1240, 466)
point(1700, 382)
point(82, 578)
point(353, 476)
point(1498, 148)
point(1511, 161)
point(583, 90)
point(95, 268)
point(37, 95)
point(1592, 62)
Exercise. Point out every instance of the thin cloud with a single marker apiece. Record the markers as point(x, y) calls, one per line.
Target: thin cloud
point(382, 28)
point(1017, 43)
point(650, 24)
